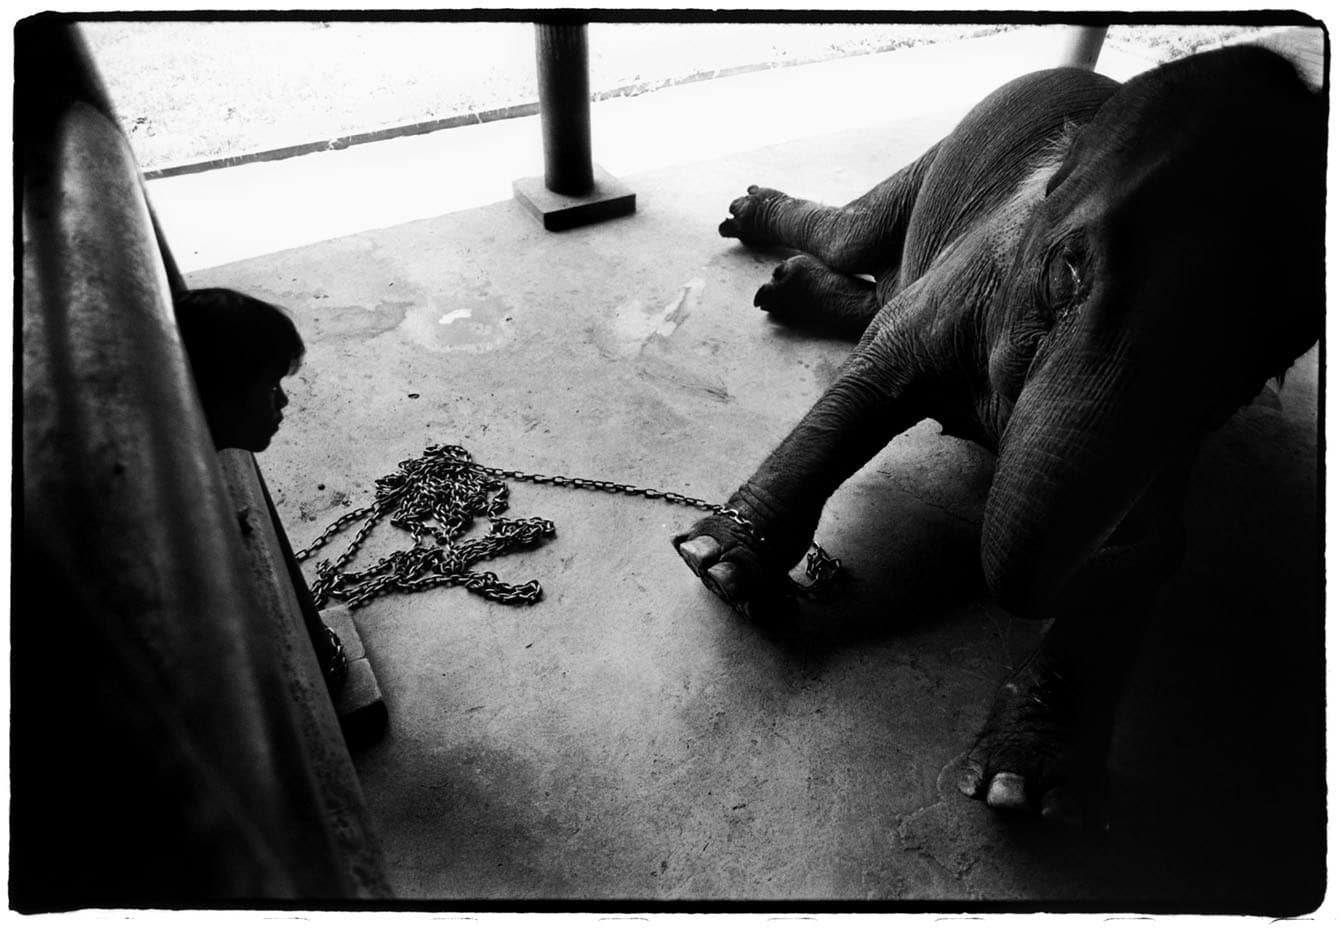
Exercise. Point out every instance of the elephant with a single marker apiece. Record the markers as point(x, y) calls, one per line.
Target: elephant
point(1086, 278)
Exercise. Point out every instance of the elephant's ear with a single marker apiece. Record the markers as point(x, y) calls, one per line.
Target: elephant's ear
point(1067, 148)
point(1067, 166)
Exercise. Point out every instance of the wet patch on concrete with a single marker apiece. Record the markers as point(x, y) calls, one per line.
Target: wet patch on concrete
point(684, 304)
point(343, 321)
point(314, 507)
point(628, 328)
point(472, 325)
point(633, 325)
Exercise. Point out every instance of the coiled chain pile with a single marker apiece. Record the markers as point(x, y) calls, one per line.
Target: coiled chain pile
point(436, 498)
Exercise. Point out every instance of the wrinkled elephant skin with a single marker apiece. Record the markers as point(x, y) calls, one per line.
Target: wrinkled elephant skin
point(1086, 278)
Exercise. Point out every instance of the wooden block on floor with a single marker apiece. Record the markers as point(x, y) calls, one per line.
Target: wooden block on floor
point(359, 705)
point(341, 621)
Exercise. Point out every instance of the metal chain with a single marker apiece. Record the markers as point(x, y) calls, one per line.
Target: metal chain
point(820, 567)
point(438, 495)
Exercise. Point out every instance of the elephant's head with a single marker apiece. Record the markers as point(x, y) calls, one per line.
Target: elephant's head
point(1173, 267)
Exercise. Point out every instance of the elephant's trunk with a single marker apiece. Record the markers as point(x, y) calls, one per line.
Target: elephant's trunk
point(1104, 413)
point(1076, 458)
point(1164, 305)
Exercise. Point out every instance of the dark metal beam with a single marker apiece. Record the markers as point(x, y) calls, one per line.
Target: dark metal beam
point(161, 755)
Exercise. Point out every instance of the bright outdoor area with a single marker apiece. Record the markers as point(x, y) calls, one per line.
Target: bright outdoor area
point(193, 91)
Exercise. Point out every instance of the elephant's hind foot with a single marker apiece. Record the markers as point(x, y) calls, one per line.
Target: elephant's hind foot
point(806, 293)
point(749, 216)
point(1043, 750)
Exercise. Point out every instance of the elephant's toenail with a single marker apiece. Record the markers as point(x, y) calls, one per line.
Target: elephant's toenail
point(698, 550)
point(970, 780)
point(1057, 807)
point(1007, 792)
point(723, 575)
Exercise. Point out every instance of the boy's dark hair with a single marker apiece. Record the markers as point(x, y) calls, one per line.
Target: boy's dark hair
point(233, 339)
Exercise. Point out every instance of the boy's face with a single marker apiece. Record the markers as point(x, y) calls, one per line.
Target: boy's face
point(250, 418)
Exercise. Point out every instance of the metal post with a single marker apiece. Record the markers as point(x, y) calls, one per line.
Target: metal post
point(1083, 44)
point(574, 190)
point(565, 107)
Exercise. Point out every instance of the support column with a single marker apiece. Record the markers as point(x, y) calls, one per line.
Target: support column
point(562, 65)
point(1082, 46)
point(574, 190)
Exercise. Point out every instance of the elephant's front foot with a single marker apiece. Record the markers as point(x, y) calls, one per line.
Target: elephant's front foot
point(1043, 750)
point(749, 214)
point(734, 564)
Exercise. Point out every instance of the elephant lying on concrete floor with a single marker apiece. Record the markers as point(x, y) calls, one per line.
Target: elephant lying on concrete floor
point(1085, 277)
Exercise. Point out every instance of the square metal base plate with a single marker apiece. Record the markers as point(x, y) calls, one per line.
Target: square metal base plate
point(609, 198)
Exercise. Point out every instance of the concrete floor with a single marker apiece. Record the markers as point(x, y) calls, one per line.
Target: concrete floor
point(627, 739)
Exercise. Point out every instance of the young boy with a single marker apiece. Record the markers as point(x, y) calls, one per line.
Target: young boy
point(240, 348)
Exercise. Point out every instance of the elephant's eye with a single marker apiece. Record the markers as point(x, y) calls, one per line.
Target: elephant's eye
point(1059, 285)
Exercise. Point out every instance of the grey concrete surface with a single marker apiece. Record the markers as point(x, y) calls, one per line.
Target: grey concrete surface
point(627, 739)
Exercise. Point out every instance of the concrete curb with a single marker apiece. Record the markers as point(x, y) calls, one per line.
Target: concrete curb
point(344, 142)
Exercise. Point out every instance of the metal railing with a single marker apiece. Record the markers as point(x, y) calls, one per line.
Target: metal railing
point(172, 739)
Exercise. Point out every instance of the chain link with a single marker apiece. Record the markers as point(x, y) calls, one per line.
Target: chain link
point(438, 495)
